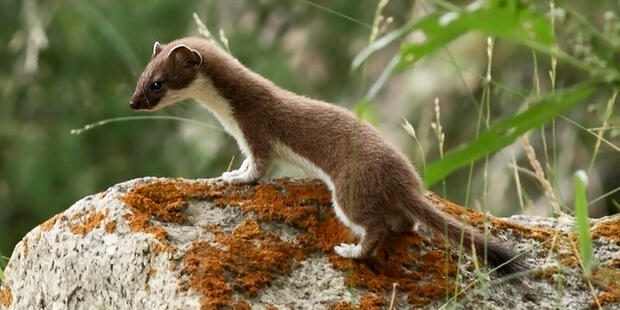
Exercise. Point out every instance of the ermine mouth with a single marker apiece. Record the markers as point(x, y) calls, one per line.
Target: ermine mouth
point(136, 106)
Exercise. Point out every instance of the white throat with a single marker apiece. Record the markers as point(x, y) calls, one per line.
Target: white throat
point(203, 90)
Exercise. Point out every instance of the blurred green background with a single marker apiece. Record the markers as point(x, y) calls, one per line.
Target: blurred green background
point(67, 63)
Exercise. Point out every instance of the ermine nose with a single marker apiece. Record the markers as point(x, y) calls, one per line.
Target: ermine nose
point(133, 104)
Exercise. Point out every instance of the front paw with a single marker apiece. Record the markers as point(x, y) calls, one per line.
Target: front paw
point(230, 174)
point(240, 178)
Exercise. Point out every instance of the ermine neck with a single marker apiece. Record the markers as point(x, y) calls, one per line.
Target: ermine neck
point(203, 90)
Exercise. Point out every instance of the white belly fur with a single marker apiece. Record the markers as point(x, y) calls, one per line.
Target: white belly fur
point(285, 153)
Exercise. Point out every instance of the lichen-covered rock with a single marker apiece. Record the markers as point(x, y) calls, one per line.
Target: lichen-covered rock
point(179, 244)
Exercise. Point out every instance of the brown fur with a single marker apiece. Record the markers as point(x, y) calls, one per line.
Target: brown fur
point(375, 185)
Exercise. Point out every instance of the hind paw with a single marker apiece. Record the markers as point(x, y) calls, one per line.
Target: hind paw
point(348, 250)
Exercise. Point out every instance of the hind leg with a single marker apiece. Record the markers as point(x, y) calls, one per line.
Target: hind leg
point(399, 223)
point(373, 236)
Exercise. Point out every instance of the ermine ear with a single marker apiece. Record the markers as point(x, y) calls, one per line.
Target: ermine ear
point(183, 54)
point(156, 49)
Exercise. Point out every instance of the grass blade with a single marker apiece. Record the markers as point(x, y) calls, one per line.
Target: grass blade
point(583, 222)
point(2, 266)
point(506, 131)
point(510, 21)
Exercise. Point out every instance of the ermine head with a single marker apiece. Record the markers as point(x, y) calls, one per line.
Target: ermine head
point(171, 69)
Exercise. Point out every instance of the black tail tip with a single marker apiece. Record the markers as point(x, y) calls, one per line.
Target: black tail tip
point(504, 261)
point(511, 266)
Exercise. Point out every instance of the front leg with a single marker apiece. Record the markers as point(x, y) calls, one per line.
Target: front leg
point(251, 171)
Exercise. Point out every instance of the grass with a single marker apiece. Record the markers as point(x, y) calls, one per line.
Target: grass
point(506, 131)
point(3, 262)
point(583, 221)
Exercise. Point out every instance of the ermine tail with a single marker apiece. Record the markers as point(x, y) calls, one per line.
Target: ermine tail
point(497, 255)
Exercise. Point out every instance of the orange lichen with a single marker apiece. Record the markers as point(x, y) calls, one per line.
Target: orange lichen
point(271, 308)
point(246, 259)
point(25, 246)
point(251, 256)
point(162, 201)
point(372, 302)
point(110, 227)
point(608, 281)
point(609, 229)
point(477, 218)
point(91, 222)
point(47, 225)
point(341, 305)
point(421, 267)
point(367, 302)
point(424, 276)
point(6, 298)
point(604, 299)
point(242, 305)
point(545, 273)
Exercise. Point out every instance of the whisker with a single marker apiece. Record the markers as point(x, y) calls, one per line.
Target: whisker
point(146, 97)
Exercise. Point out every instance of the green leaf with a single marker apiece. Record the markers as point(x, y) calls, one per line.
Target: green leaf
point(583, 222)
point(503, 18)
point(506, 131)
point(507, 19)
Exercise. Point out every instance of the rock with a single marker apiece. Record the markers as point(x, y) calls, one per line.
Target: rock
point(178, 244)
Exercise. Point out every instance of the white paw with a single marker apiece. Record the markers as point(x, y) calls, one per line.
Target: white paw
point(230, 174)
point(241, 178)
point(348, 250)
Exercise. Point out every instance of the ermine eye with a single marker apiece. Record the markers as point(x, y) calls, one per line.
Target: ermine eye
point(157, 85)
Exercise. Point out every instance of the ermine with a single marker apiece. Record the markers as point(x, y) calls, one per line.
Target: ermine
point(375, 190)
